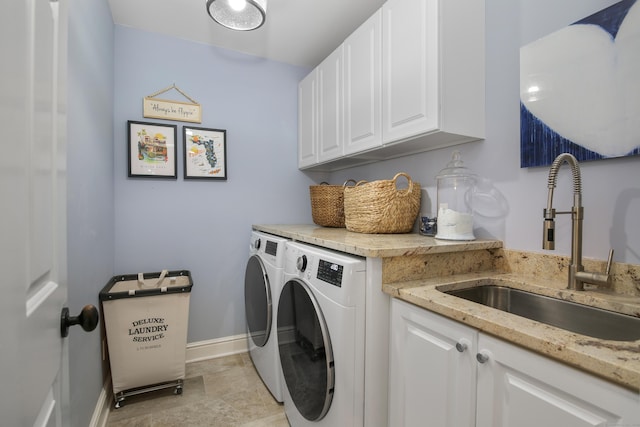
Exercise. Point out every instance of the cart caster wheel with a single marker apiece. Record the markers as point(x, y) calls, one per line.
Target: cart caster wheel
point(178, 390)
point(119, 404)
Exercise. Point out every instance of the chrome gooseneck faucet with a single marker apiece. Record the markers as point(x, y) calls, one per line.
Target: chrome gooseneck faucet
point(577, 276)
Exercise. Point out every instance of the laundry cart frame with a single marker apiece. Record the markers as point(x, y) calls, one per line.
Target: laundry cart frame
point(145, 317)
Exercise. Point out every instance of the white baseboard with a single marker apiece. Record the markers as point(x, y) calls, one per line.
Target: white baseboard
point(101, 411)
point(219, 347)
point(196, 351)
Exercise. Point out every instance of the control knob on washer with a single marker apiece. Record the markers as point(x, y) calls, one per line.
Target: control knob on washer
point(301, 263)
point(256, 244)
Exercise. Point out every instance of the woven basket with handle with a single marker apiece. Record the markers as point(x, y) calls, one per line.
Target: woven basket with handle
point(381, 207)
point(327, 204)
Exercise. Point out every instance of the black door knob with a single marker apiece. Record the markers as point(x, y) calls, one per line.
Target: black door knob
point(87, 319)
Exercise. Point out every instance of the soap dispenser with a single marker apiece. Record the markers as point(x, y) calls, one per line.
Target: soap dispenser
point(455, 184)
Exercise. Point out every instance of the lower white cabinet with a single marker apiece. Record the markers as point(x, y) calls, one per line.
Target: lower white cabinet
point(432, 369)
point(444, 373)
point(517, 387)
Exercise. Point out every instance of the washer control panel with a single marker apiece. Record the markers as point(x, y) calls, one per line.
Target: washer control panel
point(330, 272)
point(272, 248)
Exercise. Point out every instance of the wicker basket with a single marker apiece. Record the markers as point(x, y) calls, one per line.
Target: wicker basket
point(327, 204)
point(380, 207)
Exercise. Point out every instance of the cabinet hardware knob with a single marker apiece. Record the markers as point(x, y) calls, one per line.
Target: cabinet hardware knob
point(482, 357)
point(462, 345)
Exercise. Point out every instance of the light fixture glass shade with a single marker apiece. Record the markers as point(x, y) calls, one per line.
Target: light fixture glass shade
point(242, 15)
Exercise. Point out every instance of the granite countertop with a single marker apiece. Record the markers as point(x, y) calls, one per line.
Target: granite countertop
point(616, 361)
point(373, 245)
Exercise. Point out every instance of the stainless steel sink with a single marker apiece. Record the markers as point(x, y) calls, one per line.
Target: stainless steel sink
point(582, 319)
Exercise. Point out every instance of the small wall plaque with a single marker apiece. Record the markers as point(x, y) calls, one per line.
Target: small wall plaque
point(157, 108)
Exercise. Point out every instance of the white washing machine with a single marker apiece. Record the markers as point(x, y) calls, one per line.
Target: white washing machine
point(321, 336)
point(262, 282)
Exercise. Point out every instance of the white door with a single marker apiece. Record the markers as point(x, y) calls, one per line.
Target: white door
point(33, 368)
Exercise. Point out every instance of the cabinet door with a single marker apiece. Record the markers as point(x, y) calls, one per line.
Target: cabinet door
point(431, 382)
point(410, 90)
point(362, 86)
point(330, 107)
point(307, 121)
point(517, 387)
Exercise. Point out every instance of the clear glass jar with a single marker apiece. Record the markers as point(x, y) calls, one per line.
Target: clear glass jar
point(455, 213)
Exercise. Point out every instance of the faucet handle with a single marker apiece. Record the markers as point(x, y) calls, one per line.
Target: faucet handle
point(608, 269)
point(602, 279)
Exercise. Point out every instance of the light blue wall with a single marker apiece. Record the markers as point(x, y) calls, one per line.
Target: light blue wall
point(122, 225)
point(90, 190)
point(611, 194)
point(204, 226)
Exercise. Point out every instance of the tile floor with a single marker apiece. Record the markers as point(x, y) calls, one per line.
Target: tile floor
point(226, 391)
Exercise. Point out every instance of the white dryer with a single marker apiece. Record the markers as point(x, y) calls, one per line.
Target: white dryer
point(262, 283)
point(321, 319)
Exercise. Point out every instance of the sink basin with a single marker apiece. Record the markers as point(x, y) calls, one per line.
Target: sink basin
point(582, 319)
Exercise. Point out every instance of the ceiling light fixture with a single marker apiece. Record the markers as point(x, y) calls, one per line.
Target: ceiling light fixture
point(241, 15)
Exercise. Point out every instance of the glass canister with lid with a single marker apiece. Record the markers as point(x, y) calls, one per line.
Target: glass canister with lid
point(455, 214)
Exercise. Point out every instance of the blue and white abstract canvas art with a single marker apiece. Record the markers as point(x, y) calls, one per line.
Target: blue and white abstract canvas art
point(580, 89)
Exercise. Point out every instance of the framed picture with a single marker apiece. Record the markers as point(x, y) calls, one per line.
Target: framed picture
point(558, 114)
point(152, 150)
point(205, 153)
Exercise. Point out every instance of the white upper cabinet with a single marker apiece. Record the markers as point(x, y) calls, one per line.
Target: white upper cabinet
point(362, 87)
point(320, 108)
point(307, 121)
point(433, 75)
point(330, 105)
point(413, 80)
point(410, 90)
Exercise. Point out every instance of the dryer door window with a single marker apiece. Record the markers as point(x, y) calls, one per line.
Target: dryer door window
point(257, 301)
point(306, 356)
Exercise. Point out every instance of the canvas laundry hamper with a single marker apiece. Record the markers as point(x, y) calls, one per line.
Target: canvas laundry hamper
point(145, 318)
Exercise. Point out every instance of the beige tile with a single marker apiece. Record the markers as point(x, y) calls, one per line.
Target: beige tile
point(213, 366)
point(204, 413)
point(141, 421)
point(268, 399)
point(279, 420)
point(231, 380)
point(252, 403)
point(225, 391)
point(148, 403)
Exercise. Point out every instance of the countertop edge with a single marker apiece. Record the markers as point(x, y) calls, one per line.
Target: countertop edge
point(373, 245)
